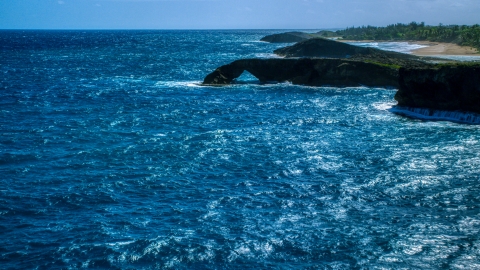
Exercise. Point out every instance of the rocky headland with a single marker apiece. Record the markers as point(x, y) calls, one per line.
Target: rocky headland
point(318, 62)
point(423, 82)
point(454, 87)
point(327, 48)
point(290, 37)
point(308, 71)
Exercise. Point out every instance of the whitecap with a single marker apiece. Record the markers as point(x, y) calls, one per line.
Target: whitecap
point(176, 84)
point(121, 243)
point(267, 55)
point(401, 47)
point(383, 106)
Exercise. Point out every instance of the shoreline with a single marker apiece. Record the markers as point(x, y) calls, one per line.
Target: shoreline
point(442, 48)
point(433, 48)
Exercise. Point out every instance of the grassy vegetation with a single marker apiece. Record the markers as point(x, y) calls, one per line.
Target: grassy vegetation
point(326, 34)
point(463, 35)
point(383, 64)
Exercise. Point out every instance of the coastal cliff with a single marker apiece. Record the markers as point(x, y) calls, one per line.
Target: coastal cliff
point(446, 87)
point(308, 71)
point(321, 62)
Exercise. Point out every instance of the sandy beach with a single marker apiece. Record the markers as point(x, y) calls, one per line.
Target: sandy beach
point(439, 48)
point(434, 48)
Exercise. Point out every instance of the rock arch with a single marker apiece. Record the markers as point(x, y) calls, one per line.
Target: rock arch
point(307, 71)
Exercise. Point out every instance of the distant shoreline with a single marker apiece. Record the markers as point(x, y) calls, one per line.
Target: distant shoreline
point(442, 48)
point(434, 48)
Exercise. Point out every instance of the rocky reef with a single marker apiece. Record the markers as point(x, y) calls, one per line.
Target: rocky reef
point(308, 71)
point(444, 87)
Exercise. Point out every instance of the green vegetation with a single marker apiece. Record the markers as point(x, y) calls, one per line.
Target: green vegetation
point(326, 34)
point(383, 64)
point(463, 35)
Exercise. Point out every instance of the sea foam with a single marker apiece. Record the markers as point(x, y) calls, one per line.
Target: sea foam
point(401, 47)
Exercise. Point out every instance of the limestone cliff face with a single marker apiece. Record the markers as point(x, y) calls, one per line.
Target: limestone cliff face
point(452, 87)
point(307, 71)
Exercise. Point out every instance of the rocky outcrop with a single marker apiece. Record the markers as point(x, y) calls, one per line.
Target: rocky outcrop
point(288, 37)
point(447, 87)
point(307, 71)
point(434, 87)
point(321, 47)
point(331, 63)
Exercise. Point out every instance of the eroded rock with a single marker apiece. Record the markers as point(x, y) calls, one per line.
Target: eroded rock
point(308, 71)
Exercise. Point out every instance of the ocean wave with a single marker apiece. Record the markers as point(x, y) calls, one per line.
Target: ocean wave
point(462, 58)
point(128, 162)
point(438, 115)
point(177, 84)
point(402, 47)
point(267, 55)
point(383, 106)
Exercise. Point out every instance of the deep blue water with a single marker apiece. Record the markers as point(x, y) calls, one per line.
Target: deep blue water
point(112, 156)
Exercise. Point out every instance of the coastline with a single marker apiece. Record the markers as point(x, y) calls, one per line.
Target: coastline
point(433, 48)
point(441, 48)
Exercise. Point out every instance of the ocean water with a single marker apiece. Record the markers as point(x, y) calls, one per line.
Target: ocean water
point(401, 47)
point(112, 156)
point(408, 47)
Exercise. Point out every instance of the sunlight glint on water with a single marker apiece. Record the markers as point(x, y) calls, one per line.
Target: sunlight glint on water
point(113, 156)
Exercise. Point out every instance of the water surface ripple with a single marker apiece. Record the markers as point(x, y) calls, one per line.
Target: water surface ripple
point(112, 156)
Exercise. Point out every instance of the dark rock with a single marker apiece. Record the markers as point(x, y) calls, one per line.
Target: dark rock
point(321, 47)
point(311, 72)
point(352, 66)
point(325, 34)
point(291, 37)
point(287, 37)
point(448, 87)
